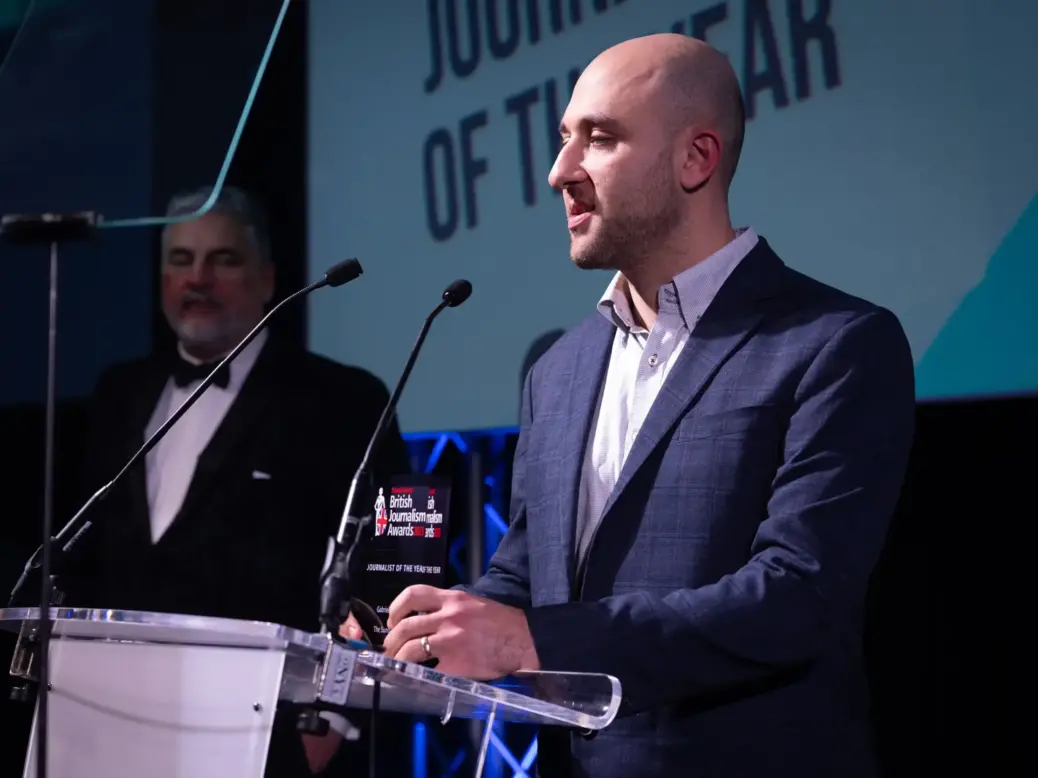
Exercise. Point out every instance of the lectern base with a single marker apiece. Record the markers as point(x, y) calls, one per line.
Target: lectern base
point(137, 710)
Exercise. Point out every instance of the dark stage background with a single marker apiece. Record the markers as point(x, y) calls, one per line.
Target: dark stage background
point(948, 597)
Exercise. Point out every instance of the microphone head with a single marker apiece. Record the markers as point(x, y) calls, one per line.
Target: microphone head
point(343, 273)
point(457, 293)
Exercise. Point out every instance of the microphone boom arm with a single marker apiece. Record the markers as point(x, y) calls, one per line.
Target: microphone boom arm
point(336, 276)
point(336, 594)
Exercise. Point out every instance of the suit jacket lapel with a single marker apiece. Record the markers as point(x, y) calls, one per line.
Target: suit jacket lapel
point(726, 325)
point(590, 360)
point(253, 398)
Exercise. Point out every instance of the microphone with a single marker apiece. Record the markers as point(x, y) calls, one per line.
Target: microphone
point(336, 596)
point(337, 275)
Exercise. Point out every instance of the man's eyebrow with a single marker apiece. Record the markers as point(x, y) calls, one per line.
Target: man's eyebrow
point(593, 120)
point(221, 249)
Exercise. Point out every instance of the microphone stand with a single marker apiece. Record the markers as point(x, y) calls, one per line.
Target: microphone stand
point(340, 274)
point(336, 586)
point(53, 229)
point(336, 590)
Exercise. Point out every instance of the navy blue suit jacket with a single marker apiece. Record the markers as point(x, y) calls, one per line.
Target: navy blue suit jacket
point(726, 582)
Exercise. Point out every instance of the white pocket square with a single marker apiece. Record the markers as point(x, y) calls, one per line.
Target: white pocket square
point(259, 475)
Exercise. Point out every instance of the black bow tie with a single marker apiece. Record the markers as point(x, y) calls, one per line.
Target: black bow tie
point(185, 372)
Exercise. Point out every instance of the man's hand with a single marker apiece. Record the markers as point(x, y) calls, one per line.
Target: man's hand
point(320, 749)
point(469, 636)
point(351, 630)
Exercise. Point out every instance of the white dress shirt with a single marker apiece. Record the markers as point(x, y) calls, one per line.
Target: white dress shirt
point(171, 464)
point(639, 363)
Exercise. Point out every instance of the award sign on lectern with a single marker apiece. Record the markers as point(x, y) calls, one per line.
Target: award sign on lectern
point(407, 542)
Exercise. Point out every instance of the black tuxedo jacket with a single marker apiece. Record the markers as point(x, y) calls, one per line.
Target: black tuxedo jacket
point(268, 491)
point(242, 545)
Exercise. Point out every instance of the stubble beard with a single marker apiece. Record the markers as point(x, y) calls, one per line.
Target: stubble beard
point(644, 221)
point(205, 336)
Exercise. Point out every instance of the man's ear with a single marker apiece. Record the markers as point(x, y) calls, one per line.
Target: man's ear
point(700, 157)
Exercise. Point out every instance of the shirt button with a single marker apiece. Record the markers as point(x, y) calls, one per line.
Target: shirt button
point(653, 359)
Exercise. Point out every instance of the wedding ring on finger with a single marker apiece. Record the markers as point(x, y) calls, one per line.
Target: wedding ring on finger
point(425, 645)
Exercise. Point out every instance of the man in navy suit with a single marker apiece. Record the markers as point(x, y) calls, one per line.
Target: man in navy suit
point(707, 465)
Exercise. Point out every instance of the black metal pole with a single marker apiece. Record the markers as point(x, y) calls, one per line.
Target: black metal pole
point(48, 512)
point(52, 230)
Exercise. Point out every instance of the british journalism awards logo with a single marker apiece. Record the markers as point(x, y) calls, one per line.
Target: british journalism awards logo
point(402, 518)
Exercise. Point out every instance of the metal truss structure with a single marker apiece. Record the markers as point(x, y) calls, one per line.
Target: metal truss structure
point(479, 464)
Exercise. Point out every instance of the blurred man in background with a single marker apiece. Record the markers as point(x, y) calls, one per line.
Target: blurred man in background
point(232, 513)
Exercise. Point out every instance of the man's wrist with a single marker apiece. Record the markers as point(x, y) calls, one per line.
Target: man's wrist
point(529, 661)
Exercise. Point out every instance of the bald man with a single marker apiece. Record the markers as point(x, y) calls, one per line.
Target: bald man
point(706, 468)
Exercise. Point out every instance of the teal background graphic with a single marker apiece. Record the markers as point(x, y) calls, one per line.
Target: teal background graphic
point(890, 153)
point(990, 343)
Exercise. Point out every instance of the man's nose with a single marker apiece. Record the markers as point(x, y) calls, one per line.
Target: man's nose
point(568, 169)
point(200, 274)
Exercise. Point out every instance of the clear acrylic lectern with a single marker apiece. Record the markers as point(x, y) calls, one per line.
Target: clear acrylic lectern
point(172, 696)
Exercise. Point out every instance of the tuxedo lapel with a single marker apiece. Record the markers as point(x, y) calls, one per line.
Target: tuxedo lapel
point(141, 405)
point(589, 359)
point(726, 325)
point(255, 395)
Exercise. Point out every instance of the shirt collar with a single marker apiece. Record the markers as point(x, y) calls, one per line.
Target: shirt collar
point(691, 291)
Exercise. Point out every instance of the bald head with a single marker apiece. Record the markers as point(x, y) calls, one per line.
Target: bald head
point(686, 83)
point(650, 141)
